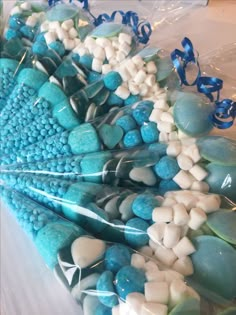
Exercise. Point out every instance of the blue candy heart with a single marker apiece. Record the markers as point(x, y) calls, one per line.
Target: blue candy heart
point(110, 135)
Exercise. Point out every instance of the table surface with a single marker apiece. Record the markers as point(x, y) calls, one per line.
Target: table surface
point(27, 286)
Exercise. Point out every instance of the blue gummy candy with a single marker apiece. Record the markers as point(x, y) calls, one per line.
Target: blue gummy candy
point(106, 290)
point(39, 48)
point(136, 232)
point(167, 167)
point(132, 99)
point(27, 31)
point(132, 138)
point(86, 60)
point(10, 34)
point(128, 280)
point(158, 147)
point(15, 22)
point(112, 80)
point(114, 100)
point(143, 205)
point(116, 257)
point(58, 47)
point(166, 185)
point(126, 122)
point(149, 132)
point(142, 112)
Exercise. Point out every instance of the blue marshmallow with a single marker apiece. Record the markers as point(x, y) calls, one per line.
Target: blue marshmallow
point(167, 167)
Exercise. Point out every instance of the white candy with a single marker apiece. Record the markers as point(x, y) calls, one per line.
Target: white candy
point(50, 37)
point(69, 44)
point(143, 89)
point(122, 92)
point(193, 152)
point(106, 68)
point(89, 41)
point(168, 117)
point(184, 248)
point(209, 203)
point(125, 48)
point(134, 89)
point(165, 255)
point(181, 216)
point(188, 198)
point(25, 6)
point(131, 67)
point(16, 10)
point(156, 292)
point(126, 77)
point(163, 136)
point(161, 104)
point(183, 179)
point(147, 251)
point(137, 261)
point(153, 308)
point(44, 27)
point(144, 175)
point(53, 26)
point(162, 214)
point(140, 77)
point(116, 310)
point(172, 234)
point(31, 21)
point(174, 148)
point(151, 67)
point(153, 245)
point(178, 290)
point(173, 136)
point(120, 56)
point(125, 207)
point(138, 61)
point(200, 186)
point(90, 304)
point(91, 48)
point(66, 25)
point(97, 65)
point(184, 266)
point(110, 52)
point(171, 275)
point(125, 38)
point(197, 218)
point(99, 53)
point(182, 135)
point(150, 80)
point(113, 62)
point(168, 202)
point(135, 301)
point(184, 162)
point(61, 34)
point(115, 43)
point(150, 266)
point(103, 42)
point(73, 33)
point(156, 232)
point(164, 126)
point(80, 50)
point(198, 172)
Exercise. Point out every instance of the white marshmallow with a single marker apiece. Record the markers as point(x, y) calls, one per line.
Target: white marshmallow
point(81, 50)
point(146, 250)
point(125, 38)
point(168, 202)
point(113, 62)
point(181, 216)
point(155, 275)
point(99, 53)
point(178, 290)
point(153, 308)
point(25, 6)
point(106, 68)
point(89, 41)
point(163, 136)
point(183, 179)
point(131, 67)
point(209, 203)
point(162, 214)
point(151, 266)
point(138, 61)
point(69, 44)
point(171, 275)
point(116, 310)
point(44, 26)
point(115, 43)
point(188, 198)
point(184, 266)
point(156, 292)
point(151, 67)
point(97, 65)
point(184, 162)
point(125, 48)
point(182, 135)
point(193, 152)
point(168, 117)
point(120, 56)
point(144, 175)
point(50, 37)
point(173, 136)
point(150, 80)
point(53, 26)
point(200, 186)
point(143, 89)
point(31, 21)
point(165, 126)
point(91, 48)
point(174, 148)
point(66, 25)
point(103, 42)
point(122, 92)
point(153, 245)
point(135, 301)
point(172, 234)
point(140, 77)
point(198, 172)
point(126, 77)
point(165, 255)
point(197, 218)
point(16, 10)
point(110, 52)
point(184, 248)
point(62, 34)
point(73, 33)
point(161, 104)
point(134, 89)
point(156, 232)
point(137, 261)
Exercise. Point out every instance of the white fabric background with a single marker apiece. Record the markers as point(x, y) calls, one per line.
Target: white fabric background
point(27, 286)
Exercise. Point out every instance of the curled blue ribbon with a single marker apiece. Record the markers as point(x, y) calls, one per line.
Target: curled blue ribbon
point(225, 109)
point(209, 85)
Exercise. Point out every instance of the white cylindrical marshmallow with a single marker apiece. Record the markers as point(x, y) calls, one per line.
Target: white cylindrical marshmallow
point(193, 152)
point(137, 261)
point(103, 42)
point(161, 104)
point(140, 77)
point(200, 186)
point(209, 203)
point(172, 234)
point(135, 301)
point(162, 214)
point(131, 67)
point(165, 255)
point(125, 38)
point(106, 68)
point(156, 292)
point(183, 179)
point(25, 6)
point(16, 10)
point(110, 52)
point(50, 37)
point(197, 218)
point(174, 148)
point(168, 202)
point(125, 48)
point(69, 44)
point(198, 172)
point(178, 291)
point(138, 61)
point(156, 232)
point(184, 266)
point(151, 67)
point(181, 216)
point(99, 53)
point(150, 80)
point(122, 92)
point(97, 65)
point(134, 89)
point(184, 162)
point(184, 248)
point(73, 33)
point(66, 25)
point(186, 197)
point(153, 308)
point(168, 117)
point(120, 56)
point(31, 21)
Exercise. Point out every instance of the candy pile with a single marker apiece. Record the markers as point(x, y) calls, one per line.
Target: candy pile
point(107, 163)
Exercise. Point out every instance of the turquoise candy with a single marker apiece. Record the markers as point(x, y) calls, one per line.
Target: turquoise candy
point(110, 135)
point(222, 180)
point(116, 257)
point(229, 311)
point(148, 53)
point(86, 60)
point(143, 206)
point(55, 236)
point(32, 78)
point(106, 290)
point(58, 47)
point(149, 132)
point(107, 30)
point(218, 150)
point(214, 264)
point(136, 232)
point(84, 139)
point(165, 68)
point(114, 232)
point(191, 114)
point(114, 100)
point(132, 138)
point(52, 93)
point(97, 218)
point(65, 115)
point(126, 122)
point(9, 64)
point(142, 112)
point(167, 167)
point(112, 80)
point(132, 99)
point(166, 185)
point(103, 310)
point(188, 306)
point(62, 12)
point(129, 280)
point(223, 223)
point(160, 148)
point(92, 166)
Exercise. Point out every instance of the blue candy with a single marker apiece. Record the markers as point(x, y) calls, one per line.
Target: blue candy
point(132, 138)
point(103, 310)
point(116, 257)
point(143, 206)
point(128, 280)
point(136, 232)
point(126, 122)
point(106, 290)
point(27, 31)
point(149, 132)
point(167, 185)
point(132, 99)
point(113, 100)
point(86, 60)
point(112, 80)
point(158, 147)
point(142, 112)
point(15, 22)
point(10, 34)
point(58, 47)
point(97, 221)
point(167, 167)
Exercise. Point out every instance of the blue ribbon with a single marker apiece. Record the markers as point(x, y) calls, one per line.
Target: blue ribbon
point(225, 109)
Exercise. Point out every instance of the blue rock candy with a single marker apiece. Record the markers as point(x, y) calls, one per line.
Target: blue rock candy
point(142, 112)
point(116, 257)
point(143, 206)
point(112, 80)
point(167, 167)
point(106, 289)
point(126, 122)
point(149, 132)
point(132, 138)
point(136, 232)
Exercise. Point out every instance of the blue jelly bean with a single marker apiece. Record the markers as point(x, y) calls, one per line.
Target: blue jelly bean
point(129, 280)
point(106, 290)
point(117, 256)
point(132, 138)
point(167, 167)
point(58, 47)
point(86, 60)
point(142, 112)
point(132, 99)
point(126, 122)
point(136, 232)
point(114, 100)
point(143, 205)
point(149, 132)
point(112, 80)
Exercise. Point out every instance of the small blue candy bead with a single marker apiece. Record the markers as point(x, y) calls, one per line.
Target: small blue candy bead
point(132, 138)
point(126, 122)
point(167, 167)
point(114, 100)
point(149, 132)
point(136, 232)
point(86, 60)
point(167, 185)
point(103, 310)
point(142, 112)
point(132, 99)
point(112, 80)
point(117, 256)
point(128, 280)
point(58, 47)
point(106, 290)
point(143, 206)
